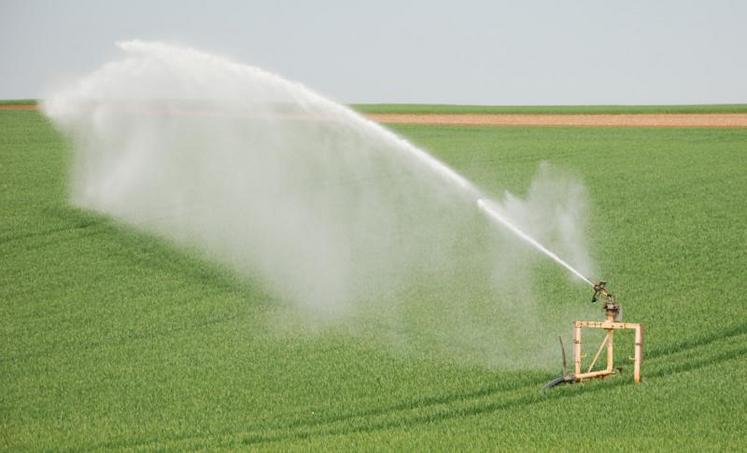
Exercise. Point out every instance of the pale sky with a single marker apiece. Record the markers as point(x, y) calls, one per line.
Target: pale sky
point(455, 52)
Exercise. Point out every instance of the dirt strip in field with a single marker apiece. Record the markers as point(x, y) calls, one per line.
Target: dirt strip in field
point(609, 120)
point(17, 107)
point(543, 119)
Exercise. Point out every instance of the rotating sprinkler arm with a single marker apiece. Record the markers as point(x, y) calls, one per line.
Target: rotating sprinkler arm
point(602, 293)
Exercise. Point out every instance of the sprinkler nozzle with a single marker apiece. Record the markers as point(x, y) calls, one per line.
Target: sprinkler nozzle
point(601, 292)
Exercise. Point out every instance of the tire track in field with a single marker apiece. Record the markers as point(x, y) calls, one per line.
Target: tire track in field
point(478, 406)
point(521, 399)
point(523, 396)
point(436, 408)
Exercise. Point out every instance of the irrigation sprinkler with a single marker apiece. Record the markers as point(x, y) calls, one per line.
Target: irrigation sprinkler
point(611, 323)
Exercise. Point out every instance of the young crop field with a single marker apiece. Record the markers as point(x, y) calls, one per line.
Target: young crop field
point(113, 339)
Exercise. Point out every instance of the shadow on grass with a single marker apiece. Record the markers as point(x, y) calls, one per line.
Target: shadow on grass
point(144, 250)
point(73, 221)
point(139, 251)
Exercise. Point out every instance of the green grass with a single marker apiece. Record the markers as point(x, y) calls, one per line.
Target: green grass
point(113, 339)
point(18, 101)
point(551, 109)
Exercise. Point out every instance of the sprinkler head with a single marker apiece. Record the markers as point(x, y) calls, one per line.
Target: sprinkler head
point(601, 293)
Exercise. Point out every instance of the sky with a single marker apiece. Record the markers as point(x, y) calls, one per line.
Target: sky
point(532, 52)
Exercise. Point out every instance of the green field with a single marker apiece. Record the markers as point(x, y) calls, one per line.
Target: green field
point(18, 101)
point(113, 339)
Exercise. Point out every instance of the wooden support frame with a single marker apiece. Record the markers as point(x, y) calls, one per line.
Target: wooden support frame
point(610, 325)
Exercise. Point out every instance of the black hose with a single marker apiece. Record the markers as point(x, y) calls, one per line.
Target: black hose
point(558, 381)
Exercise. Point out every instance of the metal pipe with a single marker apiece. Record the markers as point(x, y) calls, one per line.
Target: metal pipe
point(599, 351)
point(638, 354)
point(577, 348)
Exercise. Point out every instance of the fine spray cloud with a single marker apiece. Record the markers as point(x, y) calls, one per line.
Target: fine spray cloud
point(336, 215)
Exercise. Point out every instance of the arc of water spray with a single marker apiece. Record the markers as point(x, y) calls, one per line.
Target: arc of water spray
point(435, 165)
point(495, 215)
point(60, 107)
point(484, 205)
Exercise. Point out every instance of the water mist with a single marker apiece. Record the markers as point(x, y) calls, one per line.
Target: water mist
point(336, 215)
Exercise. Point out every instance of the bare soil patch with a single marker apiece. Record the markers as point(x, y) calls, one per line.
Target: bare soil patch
point(590, 120)
point(17, 107)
